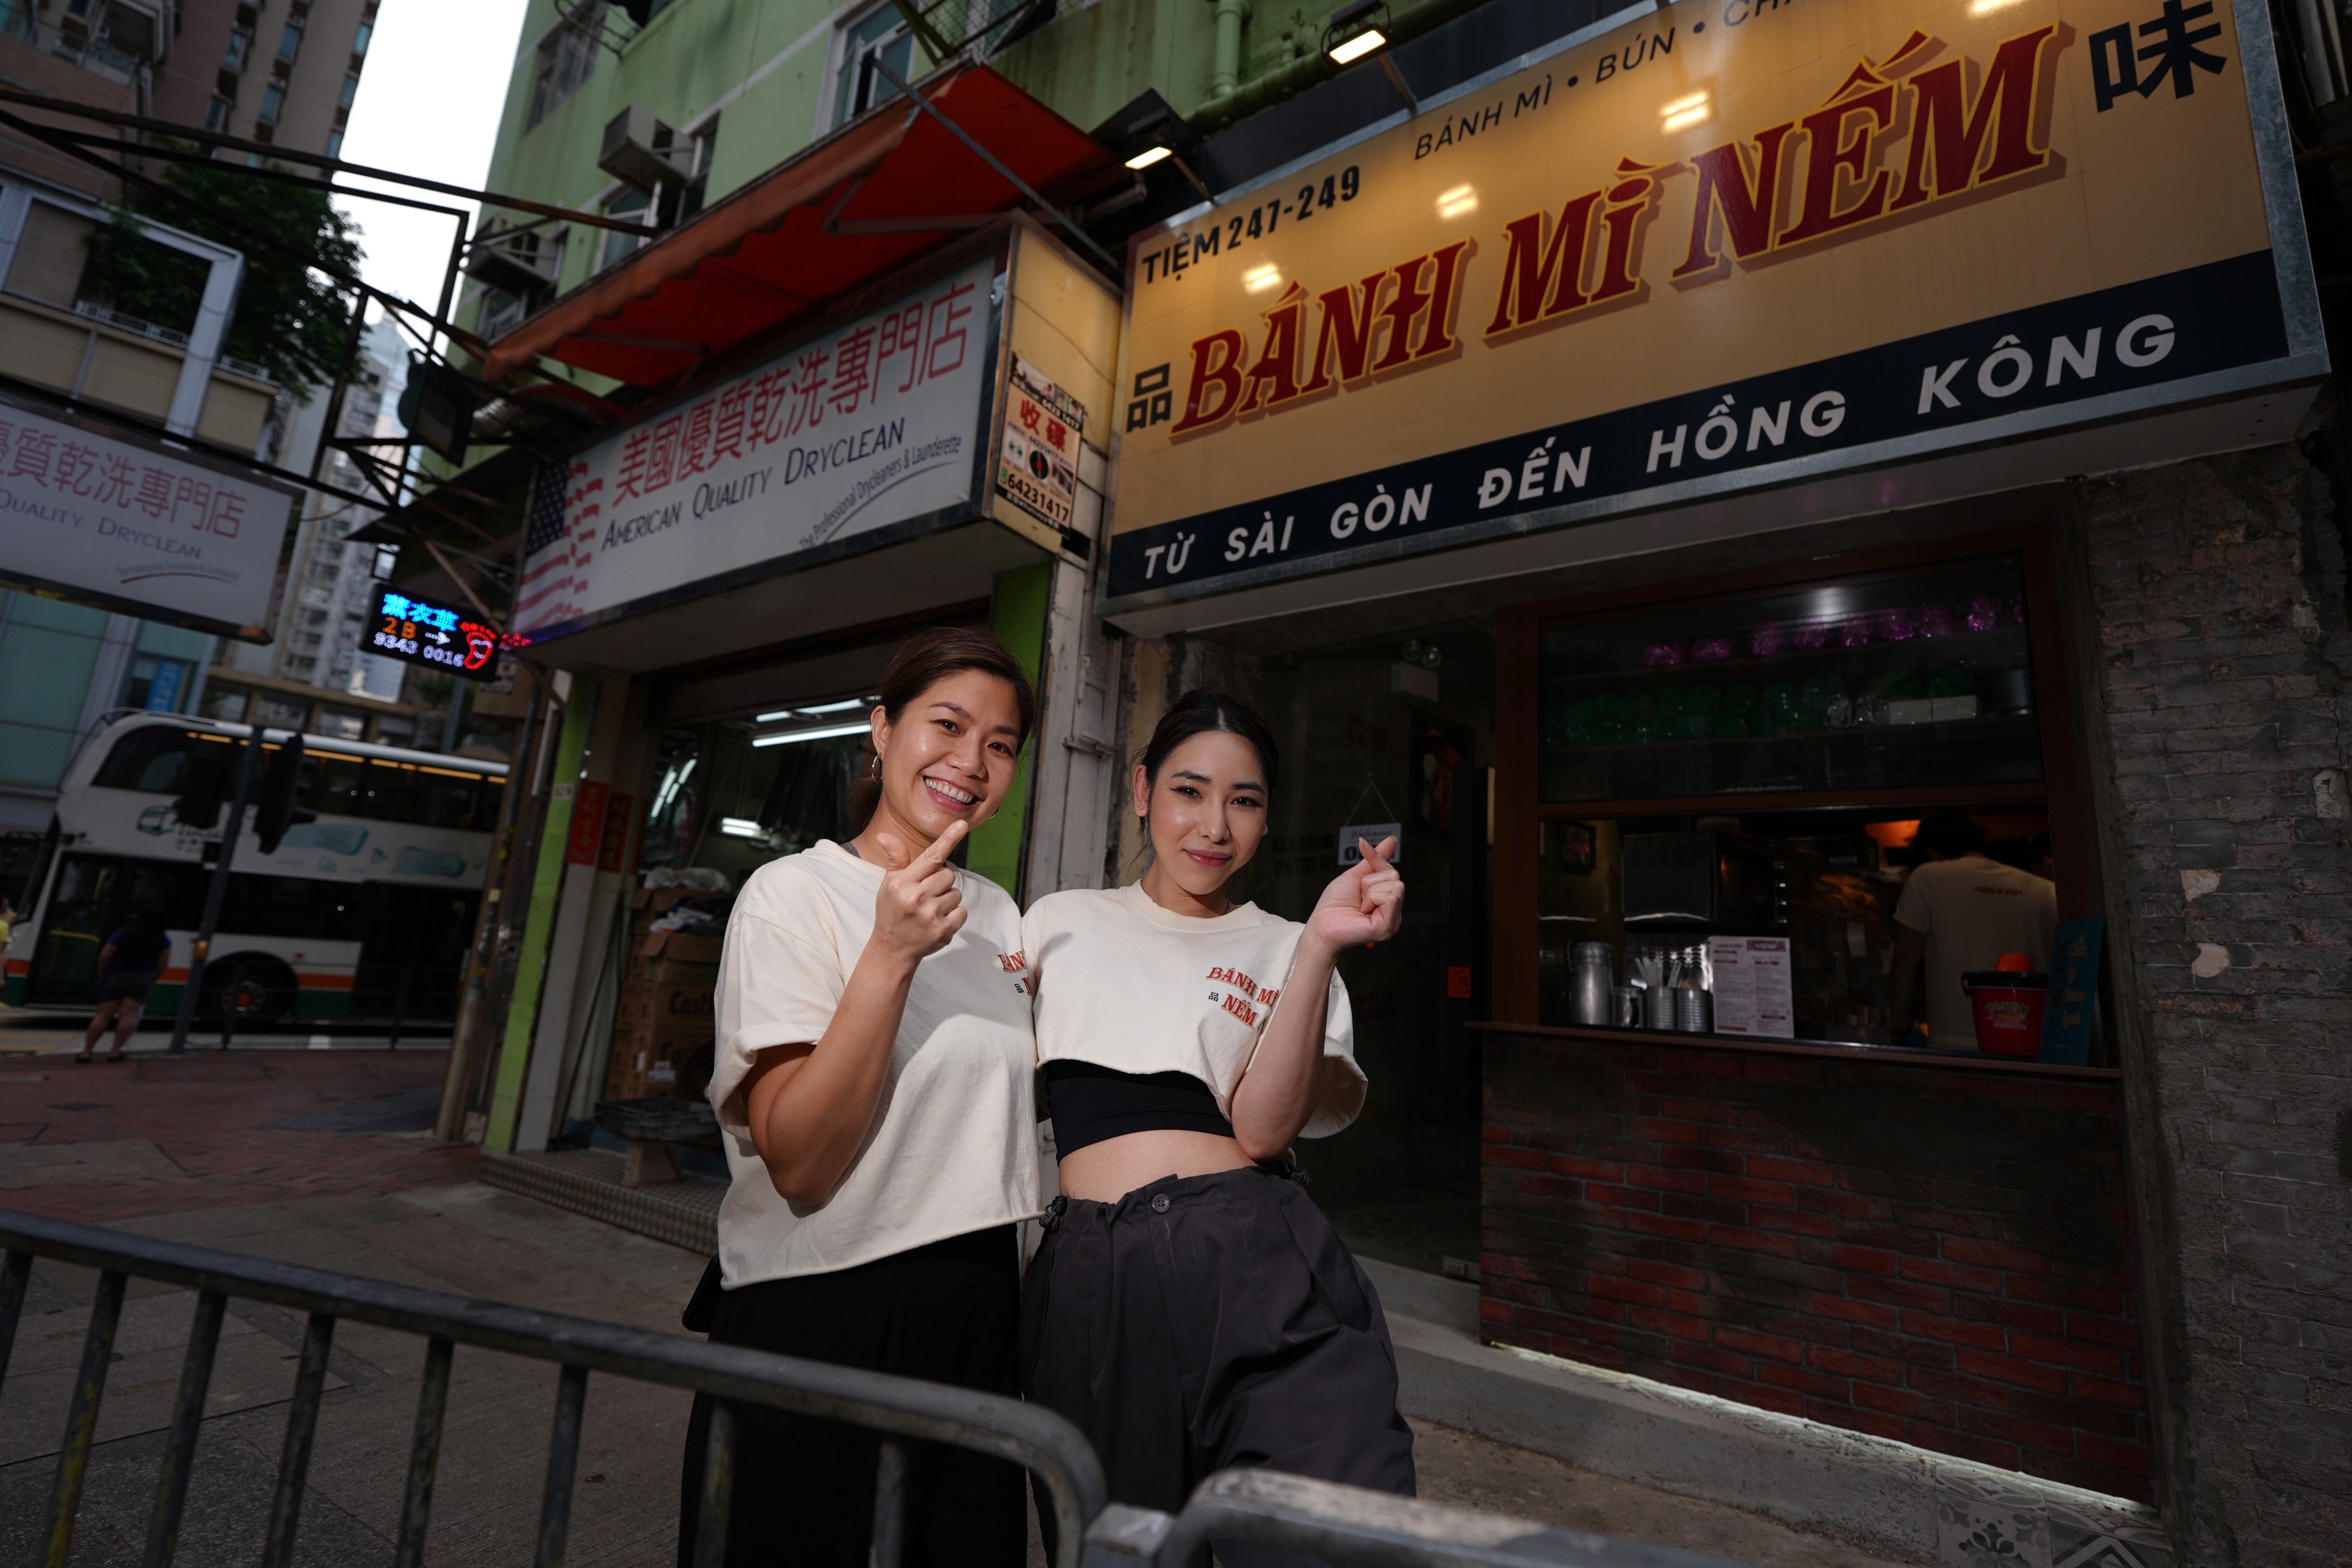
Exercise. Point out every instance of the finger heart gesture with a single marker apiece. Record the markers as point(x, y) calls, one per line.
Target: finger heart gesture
point(1364, 904)
point(918, 909)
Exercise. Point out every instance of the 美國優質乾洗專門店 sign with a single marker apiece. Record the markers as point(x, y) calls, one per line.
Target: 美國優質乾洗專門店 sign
point(1727, 244)
point(873, 424)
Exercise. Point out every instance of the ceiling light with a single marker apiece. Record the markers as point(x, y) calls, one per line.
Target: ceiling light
point(742, 828)
point(1357, 48)
point(844, 706)
point(1261, 277)
point(1685, 113)
point(1148, 156)
point(826, 732)
point(1457, 202)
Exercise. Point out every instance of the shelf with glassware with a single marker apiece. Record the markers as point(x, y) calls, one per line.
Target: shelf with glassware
point(1897, 680)
point(1767, 749)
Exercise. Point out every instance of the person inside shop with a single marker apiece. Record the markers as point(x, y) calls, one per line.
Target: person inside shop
point(873, 1082)
point(1190, 1307)
point(128, 964)
point(1959, 913)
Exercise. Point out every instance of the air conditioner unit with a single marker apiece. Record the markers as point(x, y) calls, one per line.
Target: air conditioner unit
point(507, 261)
point(641, 150)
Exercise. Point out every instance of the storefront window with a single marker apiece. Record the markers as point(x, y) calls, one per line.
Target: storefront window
point(1775, 766)
point(1888, 682)
point(1397, 734)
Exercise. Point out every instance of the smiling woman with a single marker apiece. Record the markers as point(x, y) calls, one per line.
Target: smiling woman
point(873, 1078)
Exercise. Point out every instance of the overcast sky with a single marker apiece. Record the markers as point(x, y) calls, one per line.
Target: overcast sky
point(429, 104)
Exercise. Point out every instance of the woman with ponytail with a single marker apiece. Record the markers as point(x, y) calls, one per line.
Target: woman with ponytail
point(874, 1085)
point(1190, 1307)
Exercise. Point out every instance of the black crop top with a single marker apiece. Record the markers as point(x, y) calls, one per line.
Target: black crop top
point(1092, 1104)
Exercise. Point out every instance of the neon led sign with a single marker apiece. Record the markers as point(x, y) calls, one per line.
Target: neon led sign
point(434, 635)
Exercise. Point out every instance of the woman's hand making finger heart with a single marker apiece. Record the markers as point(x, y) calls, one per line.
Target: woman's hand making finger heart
point(1364, 904)
point(918, 910)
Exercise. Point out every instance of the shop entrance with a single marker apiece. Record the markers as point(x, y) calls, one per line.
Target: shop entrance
point(1396, 731)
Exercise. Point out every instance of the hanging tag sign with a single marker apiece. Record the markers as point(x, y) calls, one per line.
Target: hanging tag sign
point(1371, 832)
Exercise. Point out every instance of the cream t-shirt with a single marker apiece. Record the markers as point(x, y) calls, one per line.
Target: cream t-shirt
point(1971, 911)
point(954, 1147)
point(1126, 984)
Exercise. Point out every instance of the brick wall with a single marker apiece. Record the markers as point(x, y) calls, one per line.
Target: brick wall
point(1937, 1255)
point(2216, 593)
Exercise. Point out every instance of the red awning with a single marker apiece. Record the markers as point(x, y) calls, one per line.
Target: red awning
point(782, 246)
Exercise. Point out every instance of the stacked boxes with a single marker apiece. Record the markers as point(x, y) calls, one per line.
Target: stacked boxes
point(662, 1024)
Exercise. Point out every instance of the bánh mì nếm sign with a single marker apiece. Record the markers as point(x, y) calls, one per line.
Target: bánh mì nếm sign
point(1724, 246)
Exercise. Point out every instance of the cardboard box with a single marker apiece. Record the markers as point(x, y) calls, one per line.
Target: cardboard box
point(682, 946)
point(651, 1061)
point(675, 1003)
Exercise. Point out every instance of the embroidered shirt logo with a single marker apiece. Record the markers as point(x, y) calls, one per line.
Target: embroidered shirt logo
point(1013, 962)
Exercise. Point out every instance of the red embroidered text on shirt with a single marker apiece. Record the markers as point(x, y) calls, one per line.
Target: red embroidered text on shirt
point(1241, 1009)
point(1236, 979)
point(1014, 962)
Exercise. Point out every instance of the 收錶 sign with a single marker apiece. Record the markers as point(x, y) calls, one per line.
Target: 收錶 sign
point(1726, 244)
point(115, 521)
point(873, 424)
point(435, 635)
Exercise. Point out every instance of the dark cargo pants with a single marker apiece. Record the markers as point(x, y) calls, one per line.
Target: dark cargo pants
point(1207, 1321)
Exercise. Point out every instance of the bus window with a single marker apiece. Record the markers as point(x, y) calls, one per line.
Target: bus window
point(149, 759)
point(441, 798)
point(336, 788)
point(385, 795)
point(293, 906)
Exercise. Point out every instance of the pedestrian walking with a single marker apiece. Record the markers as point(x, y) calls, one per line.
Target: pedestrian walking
point(873, 1082)
point(1190, 1307)
point(128, 967)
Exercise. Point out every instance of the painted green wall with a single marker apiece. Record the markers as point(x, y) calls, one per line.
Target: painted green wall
point(538, 927)
point(1018, 620)
point(763, 65)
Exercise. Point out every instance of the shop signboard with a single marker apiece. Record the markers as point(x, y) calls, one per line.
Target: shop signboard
point(1716, 247)
point(873, 424)
point(1038, 464)
point(109, 517)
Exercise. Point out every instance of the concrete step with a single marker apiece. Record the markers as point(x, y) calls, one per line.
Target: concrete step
point(1889, 1499)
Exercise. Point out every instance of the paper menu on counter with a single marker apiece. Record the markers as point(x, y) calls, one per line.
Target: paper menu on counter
point(1753, 993)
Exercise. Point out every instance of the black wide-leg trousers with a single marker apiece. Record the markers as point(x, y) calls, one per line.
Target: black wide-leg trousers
point(804, 1495)
point(1207, 1321)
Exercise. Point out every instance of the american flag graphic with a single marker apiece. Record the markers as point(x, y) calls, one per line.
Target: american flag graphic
point(559, 548)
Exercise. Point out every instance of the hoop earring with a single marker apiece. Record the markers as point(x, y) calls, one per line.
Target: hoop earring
point(873, 768)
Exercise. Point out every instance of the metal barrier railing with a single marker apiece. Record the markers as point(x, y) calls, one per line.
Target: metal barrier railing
point(903, 1409)
point(1338, 1523)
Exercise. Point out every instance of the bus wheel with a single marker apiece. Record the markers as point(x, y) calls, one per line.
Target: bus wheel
point(252, 988)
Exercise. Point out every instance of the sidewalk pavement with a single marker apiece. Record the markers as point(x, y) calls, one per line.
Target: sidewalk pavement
point(323, 1159)
point(162, 1134)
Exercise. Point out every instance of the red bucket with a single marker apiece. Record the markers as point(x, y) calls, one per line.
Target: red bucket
point(2007, 1009)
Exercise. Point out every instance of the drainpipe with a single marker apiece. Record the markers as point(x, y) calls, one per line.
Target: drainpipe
point(1226, 73)
point(1228, 108)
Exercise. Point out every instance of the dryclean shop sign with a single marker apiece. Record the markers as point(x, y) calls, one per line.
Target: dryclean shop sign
point(1728, 244)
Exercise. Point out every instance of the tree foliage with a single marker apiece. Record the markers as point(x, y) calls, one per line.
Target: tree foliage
point(291, 318)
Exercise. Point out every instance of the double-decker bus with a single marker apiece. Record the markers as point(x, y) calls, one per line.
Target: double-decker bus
point(367, 909)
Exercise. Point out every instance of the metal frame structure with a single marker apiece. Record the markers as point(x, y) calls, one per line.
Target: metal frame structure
point(162, 141)
point(1339, 1524)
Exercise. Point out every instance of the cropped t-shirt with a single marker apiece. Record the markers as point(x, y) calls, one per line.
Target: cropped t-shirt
point(954, 1147)
point(1124, 984)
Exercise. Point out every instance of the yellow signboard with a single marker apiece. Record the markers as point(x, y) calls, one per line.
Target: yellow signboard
point(1726, 244)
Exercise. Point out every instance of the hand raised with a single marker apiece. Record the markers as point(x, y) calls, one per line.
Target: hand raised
point(918, 909)
point(1364, 904)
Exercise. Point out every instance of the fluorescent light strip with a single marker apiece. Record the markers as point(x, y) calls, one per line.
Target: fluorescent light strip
point(842, 706)
point(830, 732)
point(742, 828)
point(1357, 48)
point(1148, 156)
